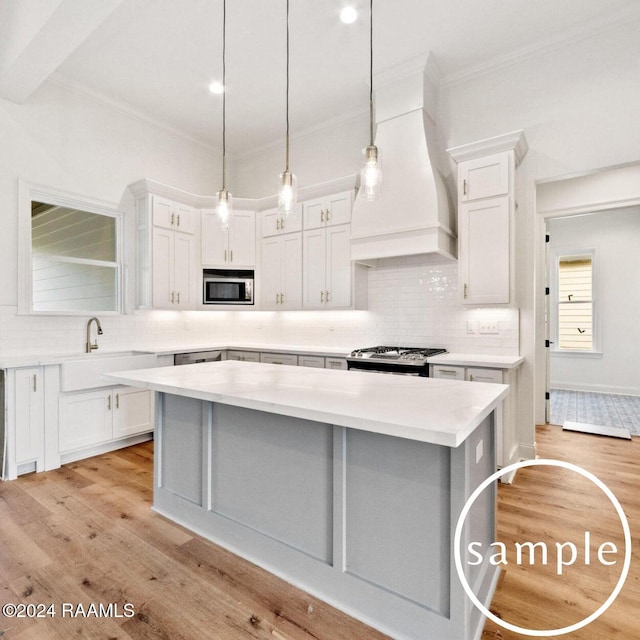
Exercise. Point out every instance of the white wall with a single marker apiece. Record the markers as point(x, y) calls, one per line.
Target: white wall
point(615, 237)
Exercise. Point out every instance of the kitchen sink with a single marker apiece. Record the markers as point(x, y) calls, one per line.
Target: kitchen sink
point(84, 371)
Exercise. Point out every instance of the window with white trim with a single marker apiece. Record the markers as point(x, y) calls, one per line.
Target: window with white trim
point(575, 303)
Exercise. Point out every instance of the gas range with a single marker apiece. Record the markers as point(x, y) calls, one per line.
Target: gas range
point(400, 360)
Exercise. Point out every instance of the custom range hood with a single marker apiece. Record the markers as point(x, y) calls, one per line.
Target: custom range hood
point(413, 214)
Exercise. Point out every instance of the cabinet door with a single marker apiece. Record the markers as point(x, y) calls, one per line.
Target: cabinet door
point(184, 220)
point(132, 412)
point(291, 271)
point(270, 223)
point(183, 293)
point(339, 208)
point(162, 275)
point(338, 278)
point(215, 241)
point(162, 212)
point(271, 270)
point(314, 213)
point(484, 177)
point(448, 373)
point(242, 240)
point(484, 251)
point(314, 268)
point(29, 415)
point(85, 419)
point(480, 374)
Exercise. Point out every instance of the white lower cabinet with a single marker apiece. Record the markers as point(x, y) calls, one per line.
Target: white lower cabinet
point(27, 418)
point(311, 361)
point(243, 356)
point(335, 363)
point(96, 417)
point(279, 358)
point(506, 436)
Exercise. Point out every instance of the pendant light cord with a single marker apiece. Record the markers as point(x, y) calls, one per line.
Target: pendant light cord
point(224, 94)
point(371, 72)
point(286, 159)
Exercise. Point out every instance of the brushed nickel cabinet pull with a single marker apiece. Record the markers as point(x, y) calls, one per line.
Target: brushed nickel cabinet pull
point(225, 255)
point(173, 297)
point(282, 298)
point(322, 296)
point(321, 215)
point(178, 220)
point(282, 223)
point(178, 298)
point(35, 382)
point(117, 400)
point(464, 187)
point(465, 290)
point(278, 224)
point(231, 255)
point(109, 402)
point(173, 217)
point(326, 296)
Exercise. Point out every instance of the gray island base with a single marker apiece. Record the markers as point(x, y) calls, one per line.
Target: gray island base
point(360, 518)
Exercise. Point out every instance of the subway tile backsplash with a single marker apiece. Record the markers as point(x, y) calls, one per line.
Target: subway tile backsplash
point(412, 301)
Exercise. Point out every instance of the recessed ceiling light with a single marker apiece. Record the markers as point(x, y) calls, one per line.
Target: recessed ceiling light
point(348, 15)
point(216, 87)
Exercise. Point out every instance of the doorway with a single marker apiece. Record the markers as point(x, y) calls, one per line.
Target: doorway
point(585, 368)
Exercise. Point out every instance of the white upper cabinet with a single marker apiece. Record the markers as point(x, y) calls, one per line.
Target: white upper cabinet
point(173, 215)
point(232, 248)
point(328, 210)
point(327, 269)
point(484, 177)
point(486, 218)
point(282, 272)
point(274, 223)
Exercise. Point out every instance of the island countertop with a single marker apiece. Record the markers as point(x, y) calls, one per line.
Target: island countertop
point(429, 410)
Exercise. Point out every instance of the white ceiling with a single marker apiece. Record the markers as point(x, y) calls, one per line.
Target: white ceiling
point(157, 57)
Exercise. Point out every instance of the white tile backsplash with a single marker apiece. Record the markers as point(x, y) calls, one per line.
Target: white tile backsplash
point(412, 301)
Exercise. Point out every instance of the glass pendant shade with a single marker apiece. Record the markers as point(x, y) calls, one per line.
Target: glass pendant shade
point(224, 208)
point(288, 194)
point(371, 174)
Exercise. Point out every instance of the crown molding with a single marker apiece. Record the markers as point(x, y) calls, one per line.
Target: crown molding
point(513, 141)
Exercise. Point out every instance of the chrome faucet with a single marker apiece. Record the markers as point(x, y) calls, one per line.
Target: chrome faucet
point(90, 347)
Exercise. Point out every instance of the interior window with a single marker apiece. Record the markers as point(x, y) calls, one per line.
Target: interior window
point(71, 254)
point(575, 303)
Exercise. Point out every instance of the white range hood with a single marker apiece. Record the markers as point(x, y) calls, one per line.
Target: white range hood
point(413, 215)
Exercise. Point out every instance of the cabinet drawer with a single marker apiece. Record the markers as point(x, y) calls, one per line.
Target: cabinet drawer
point(335, 363)
point(311, 361)
point(279, 358)
point(449, 373)
point(478, 374)
point(244, 356)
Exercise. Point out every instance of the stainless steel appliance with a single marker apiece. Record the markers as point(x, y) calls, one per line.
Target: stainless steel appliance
point(197, 356)
point(408, 361)
point(227, 286)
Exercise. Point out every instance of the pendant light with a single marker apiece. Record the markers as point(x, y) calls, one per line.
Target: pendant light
point(287, 195)
point(224, 203)
point(371, 176)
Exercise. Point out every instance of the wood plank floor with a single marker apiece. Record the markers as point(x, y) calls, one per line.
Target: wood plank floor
point(85, 534)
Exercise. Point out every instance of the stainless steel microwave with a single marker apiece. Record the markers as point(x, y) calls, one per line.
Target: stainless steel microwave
point(227, 286)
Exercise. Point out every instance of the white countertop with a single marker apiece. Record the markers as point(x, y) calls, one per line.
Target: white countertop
point(441, 412)
point(477, 360)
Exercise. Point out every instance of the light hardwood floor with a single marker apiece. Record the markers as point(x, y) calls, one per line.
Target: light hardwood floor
point(85, 533)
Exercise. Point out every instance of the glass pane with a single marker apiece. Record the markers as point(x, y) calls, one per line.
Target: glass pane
point(63, 231)
point(575, 326)
point(60, 285)
point(574, 280)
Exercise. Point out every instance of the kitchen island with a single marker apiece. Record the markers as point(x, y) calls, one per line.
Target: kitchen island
point(346, 484)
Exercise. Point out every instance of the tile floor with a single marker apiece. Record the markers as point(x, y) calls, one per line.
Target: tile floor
point(596, 408)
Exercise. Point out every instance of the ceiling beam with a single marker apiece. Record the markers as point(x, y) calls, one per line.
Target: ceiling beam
point(36, 37)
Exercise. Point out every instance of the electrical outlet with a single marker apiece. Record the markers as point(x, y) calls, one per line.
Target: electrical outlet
point(488, 327)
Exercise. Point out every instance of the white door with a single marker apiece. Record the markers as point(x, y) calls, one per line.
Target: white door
point(242, 240)
point(291, 271)
point(132, 412)
point(85, 419)
point(162, 257)
point(271, 269)
point(214, 240)
point(338, 266)
point(314, 268)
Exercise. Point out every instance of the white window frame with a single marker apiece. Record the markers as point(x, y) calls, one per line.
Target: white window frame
point(572, 252)
point(28, 192)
